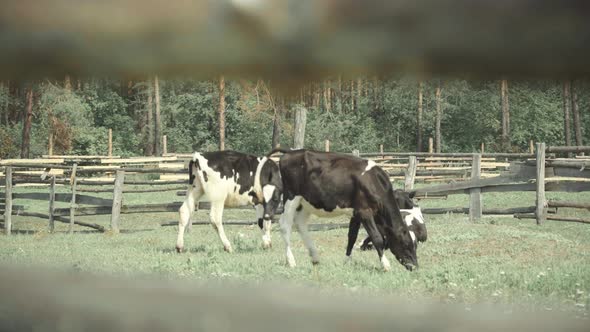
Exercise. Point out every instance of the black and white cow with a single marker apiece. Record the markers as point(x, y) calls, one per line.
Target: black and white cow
point(329, 184)
point(412, 215)
point(229, 178)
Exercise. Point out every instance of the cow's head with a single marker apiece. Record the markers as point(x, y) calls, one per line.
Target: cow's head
point(268, 187)
point(412, 214)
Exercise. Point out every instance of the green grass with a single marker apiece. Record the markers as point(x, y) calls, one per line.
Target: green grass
point(499, 259)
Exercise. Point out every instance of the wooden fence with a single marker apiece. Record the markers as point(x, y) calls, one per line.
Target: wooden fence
point(85, 175)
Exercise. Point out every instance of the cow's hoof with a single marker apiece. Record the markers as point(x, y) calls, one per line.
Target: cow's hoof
point(385, 264)
point(291, 263)
point(228, 249)
point(315, 262)
point(179, 249)
point(266, 245)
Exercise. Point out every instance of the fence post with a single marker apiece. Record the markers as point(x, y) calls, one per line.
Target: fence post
point(50, 147)
point(164, 145)
point(51, 204)
point(117, 201)
point(327, 145)
point(73, 182)
point(381, 150)
point(356, 153)
point(410, 173)
point(531, 147)
point(8, 201)
point(540, 201)
point(483, 147)
point(110, 143)
point(430, 145)
point(475, 206)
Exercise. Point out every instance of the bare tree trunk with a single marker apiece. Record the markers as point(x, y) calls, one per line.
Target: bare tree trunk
point(352, 95)
point(328, 96)
point(149, 130)
point(505, 117)
point(419, 120)
point(79, 87)
point(276, 125)
point(158, 120)
point(26, 139)
point(437, 133)
point(576, 113)
point(68, 83)
point(299, 131)
point(340, 99)
point(359, 91)
point(221, 113)
point(566, 111)
point(5, 106)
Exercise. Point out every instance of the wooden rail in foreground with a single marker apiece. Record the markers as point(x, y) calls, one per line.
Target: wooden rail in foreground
point(82, 301)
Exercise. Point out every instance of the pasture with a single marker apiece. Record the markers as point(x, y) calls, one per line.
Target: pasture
point(497, 260)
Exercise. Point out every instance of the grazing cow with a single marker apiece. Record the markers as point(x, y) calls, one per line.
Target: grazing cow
point(229, 178)
point(329, 184)
point(412, 216)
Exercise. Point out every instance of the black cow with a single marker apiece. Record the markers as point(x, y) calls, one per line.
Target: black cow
point(328, 184)
point(229, 178)
point(412, 216)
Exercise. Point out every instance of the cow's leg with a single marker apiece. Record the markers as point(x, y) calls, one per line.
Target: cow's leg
point(378, 241)
point(193, 194)
point(215, 217)
point(264, 226)
point(300, 219)
point(286, 223)
point(353, 232)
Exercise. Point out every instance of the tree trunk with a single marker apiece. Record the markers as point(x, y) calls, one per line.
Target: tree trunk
point(505, 117)
point(437, 133)
point(276, 125)
point(340, 99)
point(4, 115)
point(576, 113)
point(352, 95)
point(68, 83)
point(419, 120)
point(158, 121)
point(566, 112)
point(299, 132)
point(327, 96)
point(359, 91)
point(221, 113)
point(149, 130)
point(26, 141)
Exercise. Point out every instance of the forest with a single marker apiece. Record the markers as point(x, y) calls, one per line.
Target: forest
point(73, 115)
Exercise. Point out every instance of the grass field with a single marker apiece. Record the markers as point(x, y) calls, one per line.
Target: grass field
point(499, 259)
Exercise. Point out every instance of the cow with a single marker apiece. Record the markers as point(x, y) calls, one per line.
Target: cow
point(329, 184)
point(412, 216)
point(230, 178)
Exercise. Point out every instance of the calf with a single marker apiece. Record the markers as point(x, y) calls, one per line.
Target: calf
point(329, 184)
point(229, 178)
point(412, 216)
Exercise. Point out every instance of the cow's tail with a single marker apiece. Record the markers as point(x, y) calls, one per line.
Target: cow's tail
point(275, 150)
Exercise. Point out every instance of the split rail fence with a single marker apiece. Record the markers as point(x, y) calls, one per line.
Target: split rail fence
point(472, 174)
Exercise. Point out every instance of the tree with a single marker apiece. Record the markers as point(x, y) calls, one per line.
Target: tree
point(299, 131)
point(158, 120)
point(28, 116)
point(576, 114)
point(221, 113)
point(566, 112)
point(419, 120)
point(438, 118)
point(505, 116)
point(148, 148)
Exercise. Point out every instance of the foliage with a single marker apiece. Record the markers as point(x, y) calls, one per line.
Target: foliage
point(354, 116)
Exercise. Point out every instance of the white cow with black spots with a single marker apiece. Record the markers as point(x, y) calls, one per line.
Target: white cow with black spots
point(229, 178)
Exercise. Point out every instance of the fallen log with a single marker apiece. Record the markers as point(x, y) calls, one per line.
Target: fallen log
point(568, 204)
point(58, 218)
point(556, 218)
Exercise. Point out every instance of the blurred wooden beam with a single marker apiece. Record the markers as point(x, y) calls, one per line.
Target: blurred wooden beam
point(293, 41)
